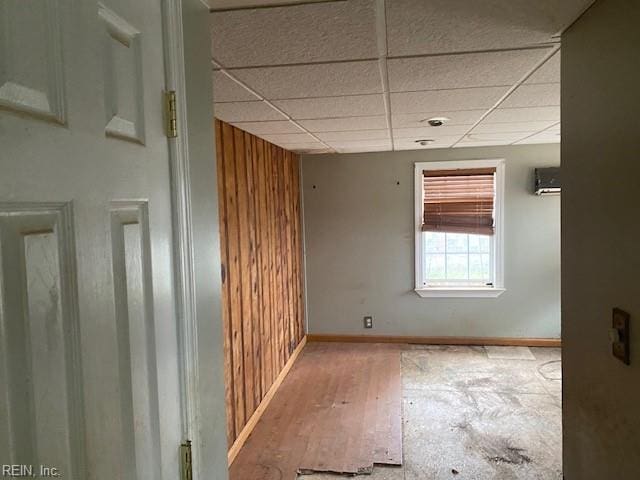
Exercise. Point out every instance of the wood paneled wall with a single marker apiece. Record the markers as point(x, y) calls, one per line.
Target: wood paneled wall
point(261, 243)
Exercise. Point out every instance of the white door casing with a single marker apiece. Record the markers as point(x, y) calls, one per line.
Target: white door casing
point(89, 350)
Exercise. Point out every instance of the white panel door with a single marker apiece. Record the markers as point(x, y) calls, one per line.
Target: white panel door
point(88, 343)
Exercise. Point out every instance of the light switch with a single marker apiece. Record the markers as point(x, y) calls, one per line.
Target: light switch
point(619, 335)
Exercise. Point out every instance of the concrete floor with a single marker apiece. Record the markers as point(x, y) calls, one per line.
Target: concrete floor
point(478, 413)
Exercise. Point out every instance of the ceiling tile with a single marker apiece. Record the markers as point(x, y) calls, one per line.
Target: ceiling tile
point(430, 132)
point(324, 107)
point(245, 112)
point(531, 114)
point(315, 147)
point(332, 79)
point(459, 99)
point(289, 138)
point(235, 4)
point(295, 34)
point(441, 26)
point(226, 90)
point(305, 145)
point(360, 144)
point(345, 124)
point(511, 127)
point(365, 149)
point(462, 70)
point(498, 138)
point(414, 120)
point(540, 95)
point(512, 136)
point(258, 128)
point(353, 135)
point(489, 143)
point(410, 144)
point(549, 71)
point(311, 151)
point(543, 137)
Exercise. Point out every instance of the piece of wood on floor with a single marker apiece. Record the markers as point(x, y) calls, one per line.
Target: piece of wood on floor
point(339, 410)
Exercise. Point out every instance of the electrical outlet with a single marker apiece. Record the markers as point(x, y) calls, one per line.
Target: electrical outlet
point(368, 322)
point(619, 335)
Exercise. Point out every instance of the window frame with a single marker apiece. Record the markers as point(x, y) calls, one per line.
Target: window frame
point(462, 291)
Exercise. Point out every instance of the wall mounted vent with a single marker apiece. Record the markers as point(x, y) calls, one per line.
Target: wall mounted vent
point(547, 181)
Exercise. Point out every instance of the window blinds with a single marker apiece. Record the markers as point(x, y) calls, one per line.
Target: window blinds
point(459, 201)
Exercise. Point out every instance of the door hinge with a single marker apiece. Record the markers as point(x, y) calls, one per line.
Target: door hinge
point(171, 113)
point(186, 470)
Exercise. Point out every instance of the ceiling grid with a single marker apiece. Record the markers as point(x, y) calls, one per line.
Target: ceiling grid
point(366, 75)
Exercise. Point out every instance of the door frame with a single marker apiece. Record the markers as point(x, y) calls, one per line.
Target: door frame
point(193, 418)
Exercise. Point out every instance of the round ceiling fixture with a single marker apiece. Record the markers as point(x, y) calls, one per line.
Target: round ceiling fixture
point(424, 141)
point(436, 121)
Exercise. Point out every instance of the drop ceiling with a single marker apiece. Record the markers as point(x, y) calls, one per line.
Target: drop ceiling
point(365, 75)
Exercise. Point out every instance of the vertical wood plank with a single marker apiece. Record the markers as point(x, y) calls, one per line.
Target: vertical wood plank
point(271, 255)
point(235, 299)
point(224, 260)
point(286, 189)
point(245, 267)
point(294, 255)
point(254, 298)
point(277, 192)
point(299, 249)
point(263, 267)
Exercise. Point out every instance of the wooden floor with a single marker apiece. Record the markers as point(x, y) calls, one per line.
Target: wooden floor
point(339, 410)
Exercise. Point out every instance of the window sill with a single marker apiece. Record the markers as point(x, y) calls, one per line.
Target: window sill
point(462, 292)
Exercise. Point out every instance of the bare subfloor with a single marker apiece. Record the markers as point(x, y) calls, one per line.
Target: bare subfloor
point(478, 413)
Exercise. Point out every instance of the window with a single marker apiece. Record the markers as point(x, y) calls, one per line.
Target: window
point(457, 259)
point(459, 228)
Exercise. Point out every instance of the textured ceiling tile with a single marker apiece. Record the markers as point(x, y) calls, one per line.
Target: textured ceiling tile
point(414, 120)
point(305, 145)
point(259, 128)
point(289, 138)
point(540, 95)
point(493, 138)
point(369, 144)
point(511, 127)
point(459, 99)
point(532, 114)
point(365, 149)
point(295, 34)
point(324, 107)
point(498, 137)
point(430, 132)
point(462, 70)
point(345, 124)
point(348, 78)
point(410, 144)
point(442, 26)
point(492, 143)
point(353, 135)
point(226, 90)
point(231, 4)
point(311, 151)
point(549, 72)
point(245, 112)
point(543, 137)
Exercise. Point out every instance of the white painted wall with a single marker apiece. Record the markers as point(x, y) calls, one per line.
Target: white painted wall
point(359, 234)
point(600, 239)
